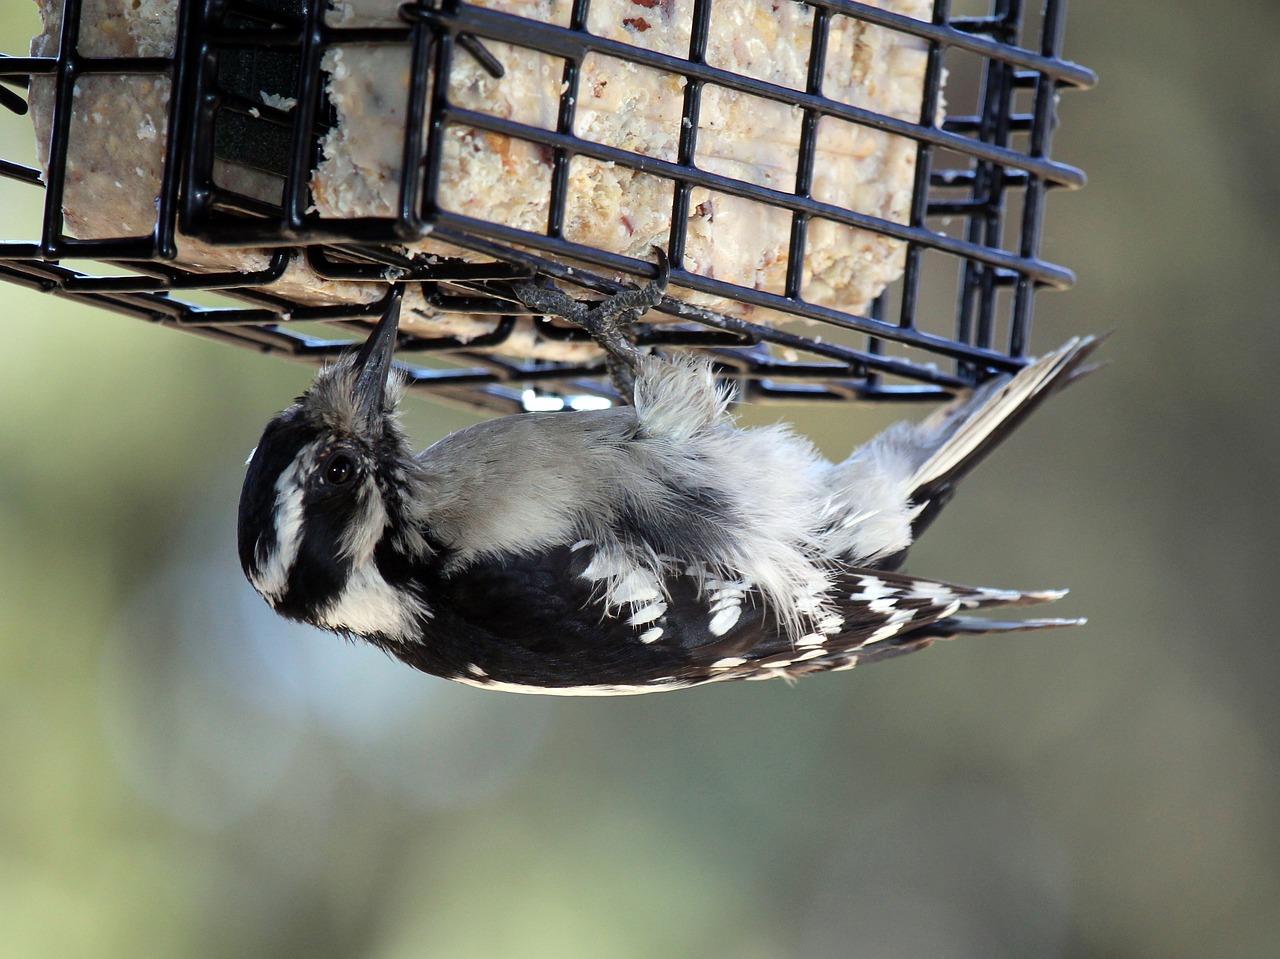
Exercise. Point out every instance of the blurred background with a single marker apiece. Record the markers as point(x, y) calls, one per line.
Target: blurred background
point(183, 774)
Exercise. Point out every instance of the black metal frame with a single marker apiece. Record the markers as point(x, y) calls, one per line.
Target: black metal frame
point(985, 170)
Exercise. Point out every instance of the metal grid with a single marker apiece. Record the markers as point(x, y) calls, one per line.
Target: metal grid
point(968, 169)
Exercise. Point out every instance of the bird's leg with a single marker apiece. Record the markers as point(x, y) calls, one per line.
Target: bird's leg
point(622, 371)
point(609, 322)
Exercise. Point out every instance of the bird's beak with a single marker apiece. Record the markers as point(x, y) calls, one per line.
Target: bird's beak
point(373, 363)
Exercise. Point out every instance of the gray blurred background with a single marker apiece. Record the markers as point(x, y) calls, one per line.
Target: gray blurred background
point(182, 774)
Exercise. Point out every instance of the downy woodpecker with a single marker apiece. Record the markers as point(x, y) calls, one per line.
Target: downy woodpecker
point(627, 550)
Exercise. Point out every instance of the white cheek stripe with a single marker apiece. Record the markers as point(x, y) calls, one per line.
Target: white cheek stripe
point(272, 578)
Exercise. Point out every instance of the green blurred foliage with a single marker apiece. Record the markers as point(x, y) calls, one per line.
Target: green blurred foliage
point(184, 775)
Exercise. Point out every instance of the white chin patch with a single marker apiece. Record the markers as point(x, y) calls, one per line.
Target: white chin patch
point(368, 604)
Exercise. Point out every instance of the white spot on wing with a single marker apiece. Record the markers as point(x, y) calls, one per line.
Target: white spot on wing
point(810, 599)
point(935, 593)
point(724, 620)
point(808, 603)
point(872, 588)
point(901, 616)
point(624, 582)
point(638, 586)
point(884, 632)
point(603, 565)
point(647, 614)
point(651, 635)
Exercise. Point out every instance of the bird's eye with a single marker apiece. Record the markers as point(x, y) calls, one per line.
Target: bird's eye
point(339, 469)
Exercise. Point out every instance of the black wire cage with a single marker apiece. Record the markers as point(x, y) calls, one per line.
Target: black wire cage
point(244, 82)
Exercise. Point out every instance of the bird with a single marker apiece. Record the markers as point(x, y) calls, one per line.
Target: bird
point(646, 547)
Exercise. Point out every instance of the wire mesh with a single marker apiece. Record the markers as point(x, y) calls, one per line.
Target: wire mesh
point(246, 84)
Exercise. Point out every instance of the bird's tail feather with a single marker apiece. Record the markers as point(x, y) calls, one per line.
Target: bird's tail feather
point(950, 628)
point(863, 654)
point(956, 438)
point(955, 626)
point(892, 487)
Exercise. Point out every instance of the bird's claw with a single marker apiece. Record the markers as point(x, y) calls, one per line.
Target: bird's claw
point(609, 321)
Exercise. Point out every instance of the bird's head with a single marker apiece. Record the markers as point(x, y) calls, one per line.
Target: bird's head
point(322, 511)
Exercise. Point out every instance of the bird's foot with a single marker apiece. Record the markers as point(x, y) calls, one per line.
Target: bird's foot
point(609, 321)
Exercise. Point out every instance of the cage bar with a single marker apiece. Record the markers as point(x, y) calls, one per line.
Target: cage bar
point(968, 168)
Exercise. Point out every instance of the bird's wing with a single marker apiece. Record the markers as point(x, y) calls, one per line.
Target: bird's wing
point(539, 623)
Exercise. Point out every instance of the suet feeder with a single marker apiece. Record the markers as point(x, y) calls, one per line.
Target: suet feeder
point(851, 194)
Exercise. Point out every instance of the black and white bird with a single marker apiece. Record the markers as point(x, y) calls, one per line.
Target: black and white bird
point(626, 550)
